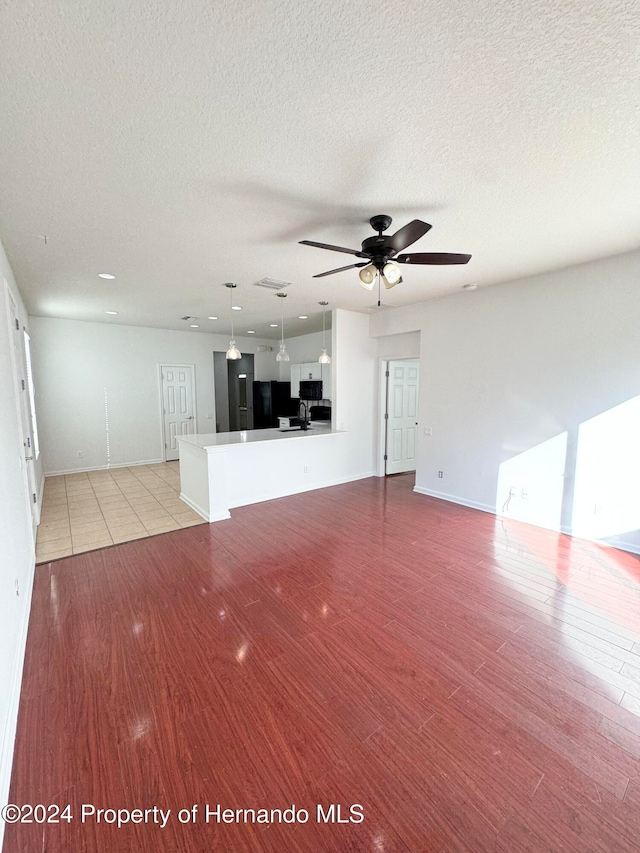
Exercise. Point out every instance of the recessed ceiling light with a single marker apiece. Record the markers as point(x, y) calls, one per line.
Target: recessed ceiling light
point(212, 318)
point(250, 332)
point(194, 326)
point(110, 312)
point(303, 317)
point(105, 275)
point(236, 307)
point(273, 325)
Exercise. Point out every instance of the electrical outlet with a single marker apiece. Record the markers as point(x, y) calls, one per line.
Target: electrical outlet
point(524, 494)
point(79, 454)
point(440, 475)
point(306, 469)
point(17, 587)
point(428, 431)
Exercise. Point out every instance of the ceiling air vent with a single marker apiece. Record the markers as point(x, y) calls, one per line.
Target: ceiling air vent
point(272, 283)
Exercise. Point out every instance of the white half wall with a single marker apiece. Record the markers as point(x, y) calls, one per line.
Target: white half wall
point(355, 389)
point(532, 389)
point(16, 539)
point(76, 363)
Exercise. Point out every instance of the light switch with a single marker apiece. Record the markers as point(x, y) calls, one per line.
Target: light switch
point(428, 431)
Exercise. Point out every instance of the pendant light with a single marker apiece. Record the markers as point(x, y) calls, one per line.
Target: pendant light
point(325, 358)
point(233, 353)
point(283, 355)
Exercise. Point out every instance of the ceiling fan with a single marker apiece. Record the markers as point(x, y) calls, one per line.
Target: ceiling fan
point(381, 253)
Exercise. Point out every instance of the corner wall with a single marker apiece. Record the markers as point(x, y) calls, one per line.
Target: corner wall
point(16, 540)
point(532, 390)
point(355, 388)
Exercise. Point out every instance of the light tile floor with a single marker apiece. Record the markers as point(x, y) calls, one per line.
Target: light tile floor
point(81, 512)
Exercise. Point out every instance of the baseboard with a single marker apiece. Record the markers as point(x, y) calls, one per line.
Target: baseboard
point(103, 467)
point(272, 496)
point(611, 542)
point(9, 738)
point(454, 499)
point(619, 544)
point(202, 512)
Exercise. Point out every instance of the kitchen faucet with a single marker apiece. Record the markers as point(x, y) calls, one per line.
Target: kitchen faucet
point(305, 418)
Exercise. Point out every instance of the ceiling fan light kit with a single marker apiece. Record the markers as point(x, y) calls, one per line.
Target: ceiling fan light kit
point(391, 274)
point(367, 276)
point(381, 253)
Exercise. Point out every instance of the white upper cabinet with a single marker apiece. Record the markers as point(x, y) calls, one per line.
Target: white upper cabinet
point(311, 370)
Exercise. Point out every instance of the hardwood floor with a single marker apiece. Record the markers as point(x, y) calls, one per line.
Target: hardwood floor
point(472, 683)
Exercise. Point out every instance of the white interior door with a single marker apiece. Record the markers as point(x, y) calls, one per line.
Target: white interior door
point(402, 416)
point(178, 405)
point(21, 380)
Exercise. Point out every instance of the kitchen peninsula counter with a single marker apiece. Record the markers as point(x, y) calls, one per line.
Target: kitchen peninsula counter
point(220, 471)
point(210, 441)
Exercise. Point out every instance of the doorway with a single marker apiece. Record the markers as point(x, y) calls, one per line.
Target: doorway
point(26, 416)
point(178, 405)
point(401, 415)
point(233, 388)
point(240, 378)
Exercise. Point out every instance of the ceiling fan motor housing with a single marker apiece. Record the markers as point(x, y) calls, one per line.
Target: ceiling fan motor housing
point(378, 250)
point(380, 222)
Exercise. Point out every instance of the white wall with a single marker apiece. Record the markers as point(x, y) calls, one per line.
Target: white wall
point(74, 364)
point(355, 388)
point(302, 349)
point(16, 540)
point(532, 389)
point(406, 345)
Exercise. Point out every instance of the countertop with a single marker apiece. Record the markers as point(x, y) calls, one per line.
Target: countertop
point(208, 441)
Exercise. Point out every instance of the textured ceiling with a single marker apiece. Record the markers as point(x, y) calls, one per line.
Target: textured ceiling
point(182, 145)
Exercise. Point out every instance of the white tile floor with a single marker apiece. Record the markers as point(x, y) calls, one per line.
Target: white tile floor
point(81, 512)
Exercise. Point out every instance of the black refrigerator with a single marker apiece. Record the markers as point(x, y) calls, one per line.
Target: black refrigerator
point(272, 400)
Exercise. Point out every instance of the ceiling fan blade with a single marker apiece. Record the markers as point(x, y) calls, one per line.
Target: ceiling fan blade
point(355, 252)
point(407, 235)
point(432, 258)
point(340, 269)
